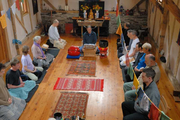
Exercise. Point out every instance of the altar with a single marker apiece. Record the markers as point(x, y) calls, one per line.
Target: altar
point(93, 23)
point(91, 13)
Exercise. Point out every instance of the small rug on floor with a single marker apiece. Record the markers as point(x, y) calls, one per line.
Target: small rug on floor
point(83, 68)
point(79, 84)
point(72, 104)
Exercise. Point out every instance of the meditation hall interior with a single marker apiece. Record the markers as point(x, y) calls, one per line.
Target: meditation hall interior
point(89, 59)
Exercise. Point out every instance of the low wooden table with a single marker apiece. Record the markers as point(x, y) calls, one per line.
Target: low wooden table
point(89, 22)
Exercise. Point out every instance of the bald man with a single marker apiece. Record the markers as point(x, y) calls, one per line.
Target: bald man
point(129, 89)
point(54, 36)
point(89, 37)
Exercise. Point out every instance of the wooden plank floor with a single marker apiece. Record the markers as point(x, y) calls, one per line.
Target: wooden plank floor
point(101, 105)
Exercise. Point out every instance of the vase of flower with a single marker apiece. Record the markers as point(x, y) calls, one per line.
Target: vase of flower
point(84, 8)
point(97, 8)
point(85, 14)
point(97, 14)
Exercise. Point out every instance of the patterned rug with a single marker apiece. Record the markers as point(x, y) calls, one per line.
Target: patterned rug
point(79, 84)
point(85, 68)
point(72, 104)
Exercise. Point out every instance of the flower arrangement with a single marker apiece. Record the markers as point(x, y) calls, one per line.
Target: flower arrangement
point(96, 7)
point(84, 7)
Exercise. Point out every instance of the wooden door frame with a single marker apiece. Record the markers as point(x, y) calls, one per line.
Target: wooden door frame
point(5, 39)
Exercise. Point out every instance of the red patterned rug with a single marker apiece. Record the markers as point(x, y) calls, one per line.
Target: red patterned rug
point(85, 68)
point(79, 84)
point(72, 104)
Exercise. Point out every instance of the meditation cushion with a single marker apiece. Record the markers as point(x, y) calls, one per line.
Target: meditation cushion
point(74, 51)
point(73, 57)
point(103, 43)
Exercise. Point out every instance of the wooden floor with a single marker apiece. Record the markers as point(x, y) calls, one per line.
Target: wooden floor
point(104, 105)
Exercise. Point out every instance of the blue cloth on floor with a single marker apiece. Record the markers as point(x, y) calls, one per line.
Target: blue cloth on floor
point(73, 57)
point(22, 92)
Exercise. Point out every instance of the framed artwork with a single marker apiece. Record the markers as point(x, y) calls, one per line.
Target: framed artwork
point(35, 6)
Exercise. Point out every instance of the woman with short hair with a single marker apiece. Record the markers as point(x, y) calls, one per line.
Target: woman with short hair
point(39, 57)
point(27, 66)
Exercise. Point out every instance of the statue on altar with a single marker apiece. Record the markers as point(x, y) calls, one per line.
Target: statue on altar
point(91, 15)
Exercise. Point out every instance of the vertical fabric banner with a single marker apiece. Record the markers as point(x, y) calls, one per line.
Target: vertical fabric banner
point(3, 21)
point(17, 4)
point(154, 112)
point(135, 82)
point(9, 13)
point(35, 6)
point(13, 7)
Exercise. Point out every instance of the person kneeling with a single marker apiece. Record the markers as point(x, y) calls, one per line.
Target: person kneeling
point(54, 36)
point(10, 107)
point(16, 87)
point(38, 55)
point(27, 66)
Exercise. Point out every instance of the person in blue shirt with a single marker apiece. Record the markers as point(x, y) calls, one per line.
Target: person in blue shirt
point(141, 65)
point(89, 37)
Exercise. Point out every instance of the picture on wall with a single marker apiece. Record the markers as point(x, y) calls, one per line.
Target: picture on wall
point(178, 40)
point(35, 6)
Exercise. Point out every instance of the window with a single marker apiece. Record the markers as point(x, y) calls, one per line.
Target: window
point(24, 6)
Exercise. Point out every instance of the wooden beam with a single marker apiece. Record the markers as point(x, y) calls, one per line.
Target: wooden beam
point(137, 5)
point(21, 23)
point(66, 2)
point(163, 28)
point(173, 8)
point(170, 42)
point(29, 12)
point(22, 20)
point(10, 2)
point(52, 6)
point(6, 40)
point(154, 22)
point(177, 63)
point(155, 3)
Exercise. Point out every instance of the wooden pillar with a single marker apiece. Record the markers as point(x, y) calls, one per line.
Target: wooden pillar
point(29, 12)
point(66, 2)
point(22, 20)
point(10, 2)
point(177, 63)
point(154, 22)
point(5, 39)
point(163, 28)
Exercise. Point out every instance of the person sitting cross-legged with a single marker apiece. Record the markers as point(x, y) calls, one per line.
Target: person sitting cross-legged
point(139, 54)
point(132, 52)
point(27, 66)
point(89, 37)
point(141, 64)
point(10, 107)
point(54, 36)
point(16, 87)
point(132, 110)
point(129, 89)
point(43, 60)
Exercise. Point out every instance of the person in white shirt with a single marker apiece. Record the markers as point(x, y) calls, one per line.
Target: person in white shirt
point(132, 51)
point(54, 36)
